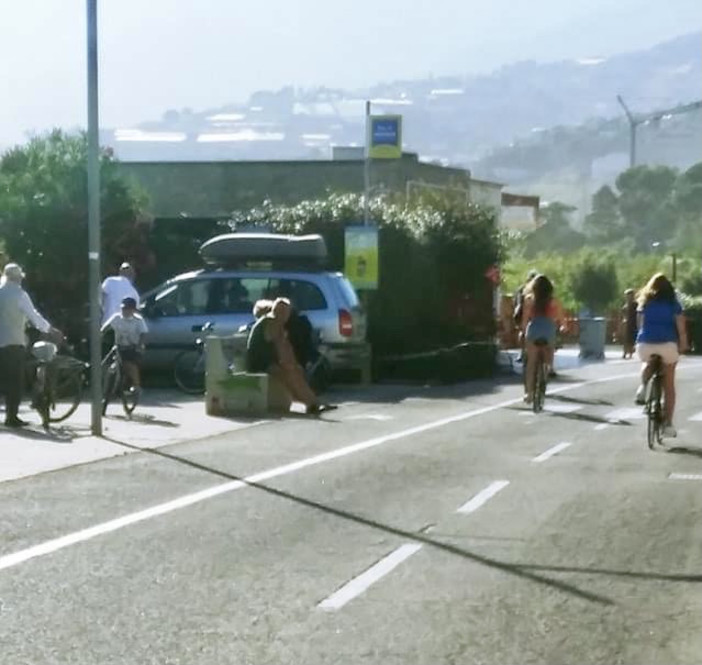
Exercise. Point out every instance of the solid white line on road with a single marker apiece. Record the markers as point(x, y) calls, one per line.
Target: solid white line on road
point(559, 447)
point(359, 584)
point(685, 476)
point(696, 418)
point(50, 546)
point(483, 496)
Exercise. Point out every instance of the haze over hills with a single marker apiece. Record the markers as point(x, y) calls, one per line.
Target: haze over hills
point(454, 119)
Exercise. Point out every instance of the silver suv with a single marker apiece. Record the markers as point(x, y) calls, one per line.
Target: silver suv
point(176, 311)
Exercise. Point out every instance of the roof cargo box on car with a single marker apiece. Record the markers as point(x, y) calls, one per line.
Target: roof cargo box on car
point(266, 249)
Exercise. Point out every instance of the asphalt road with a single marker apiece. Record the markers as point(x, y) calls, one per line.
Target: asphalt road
point(431, 525)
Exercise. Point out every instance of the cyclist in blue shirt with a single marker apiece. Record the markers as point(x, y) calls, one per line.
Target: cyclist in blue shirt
point(662, 332)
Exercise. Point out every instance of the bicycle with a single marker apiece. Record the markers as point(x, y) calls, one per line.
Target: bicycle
point(57, 383)
point(540, 376)
point(115, 382)
point(189, 365)
point(654, 408)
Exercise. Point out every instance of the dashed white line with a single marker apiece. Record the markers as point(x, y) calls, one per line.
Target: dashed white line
point(483, 496)
point(554, 450)
point(50, 546)
point(370, 416)
point(626, 413)
point(685, 476)
point(601, 426)
point(359, 584)
point(562, 408)
point(696, 418)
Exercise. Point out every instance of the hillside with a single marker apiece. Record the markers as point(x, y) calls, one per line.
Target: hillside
point(457, 120)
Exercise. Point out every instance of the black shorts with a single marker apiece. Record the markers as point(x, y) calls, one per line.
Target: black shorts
point(129, 354)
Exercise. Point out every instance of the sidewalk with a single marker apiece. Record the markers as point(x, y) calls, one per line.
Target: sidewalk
point(163, 418)
point(167, 417)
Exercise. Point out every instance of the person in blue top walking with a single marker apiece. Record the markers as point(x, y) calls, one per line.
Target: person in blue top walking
point(662, 332)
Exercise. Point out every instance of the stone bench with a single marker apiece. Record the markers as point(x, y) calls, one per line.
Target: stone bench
point(241, 393)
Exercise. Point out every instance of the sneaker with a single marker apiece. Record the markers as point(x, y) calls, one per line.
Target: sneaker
point(316, 409)
point(669, 432)
point(528, 399)
point(640, 395)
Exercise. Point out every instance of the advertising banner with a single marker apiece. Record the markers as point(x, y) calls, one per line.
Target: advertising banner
point(361, 256)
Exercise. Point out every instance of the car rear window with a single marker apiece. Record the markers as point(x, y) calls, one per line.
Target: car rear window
point(348, 291)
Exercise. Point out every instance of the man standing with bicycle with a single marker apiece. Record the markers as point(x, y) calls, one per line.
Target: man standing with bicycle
point(130, 335)
point(16, 309)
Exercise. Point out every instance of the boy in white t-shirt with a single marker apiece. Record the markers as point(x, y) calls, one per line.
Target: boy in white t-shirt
point(130, 334)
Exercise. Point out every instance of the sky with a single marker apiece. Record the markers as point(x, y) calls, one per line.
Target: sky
point(157, 55)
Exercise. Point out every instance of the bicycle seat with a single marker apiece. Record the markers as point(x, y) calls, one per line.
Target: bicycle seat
point(44, 352)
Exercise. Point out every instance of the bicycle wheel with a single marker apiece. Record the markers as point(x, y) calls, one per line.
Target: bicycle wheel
point(110, 381)
point(66, 392)
point(41, 396)
point(130, 397)
point(539, 386)
point(653, 410)
point(189, 372)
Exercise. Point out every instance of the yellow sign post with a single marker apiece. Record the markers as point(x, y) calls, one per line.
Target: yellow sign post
point(361, 256)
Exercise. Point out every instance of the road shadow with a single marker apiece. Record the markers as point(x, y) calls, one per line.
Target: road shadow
point(664, 577)
point(509, 568)
point(686, 450)
point(583, 417)
point(581, 400)
point(54, 434)
point(143, 419)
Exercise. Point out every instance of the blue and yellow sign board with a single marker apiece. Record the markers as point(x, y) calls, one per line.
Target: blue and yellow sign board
point(385, 137)
point(361, 256)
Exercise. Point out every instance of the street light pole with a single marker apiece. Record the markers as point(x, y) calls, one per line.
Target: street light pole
point(93, 166)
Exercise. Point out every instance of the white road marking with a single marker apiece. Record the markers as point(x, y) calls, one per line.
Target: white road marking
point(551, 452)
point(50, 546)
point(626, 413)
point(370, 416)
point(561, 408)
point(483, 496)
point(359, 584)
point(685, 476)
point(601, 426)
point(696, 418)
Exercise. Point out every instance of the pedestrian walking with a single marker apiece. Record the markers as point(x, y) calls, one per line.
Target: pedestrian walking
point(16, 309)
point(629, 324)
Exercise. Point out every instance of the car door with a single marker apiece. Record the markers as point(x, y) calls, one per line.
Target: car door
point(175, 315)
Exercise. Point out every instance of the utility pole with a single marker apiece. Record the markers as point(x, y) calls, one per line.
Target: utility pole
point(366, 167)
point(93, 167)
point(633, 123)
point(636, 120)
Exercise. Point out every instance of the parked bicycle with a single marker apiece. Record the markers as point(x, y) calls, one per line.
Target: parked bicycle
point(189, 365)
point(57, 382)
point(654, 408)
point(117, 384)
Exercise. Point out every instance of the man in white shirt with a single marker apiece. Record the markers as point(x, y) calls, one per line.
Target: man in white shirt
point(116, 289)
point(130, 334)
point(16, 309)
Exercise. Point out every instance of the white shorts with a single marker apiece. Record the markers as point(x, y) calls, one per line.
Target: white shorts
point(668, 351)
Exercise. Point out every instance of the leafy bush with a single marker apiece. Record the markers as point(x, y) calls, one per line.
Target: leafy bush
point(433, 256)
point(44, 221)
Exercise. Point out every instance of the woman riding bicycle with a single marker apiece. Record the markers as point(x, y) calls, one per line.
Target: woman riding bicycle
point(542, 314)
point(662, 333)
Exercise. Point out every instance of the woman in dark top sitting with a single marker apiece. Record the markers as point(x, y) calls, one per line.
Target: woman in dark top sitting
point(269, 350)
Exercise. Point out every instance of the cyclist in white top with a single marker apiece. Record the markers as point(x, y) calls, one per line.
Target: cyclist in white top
point(130, 334)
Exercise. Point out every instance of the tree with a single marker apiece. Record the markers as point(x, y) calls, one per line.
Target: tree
point(594, 283)
point(604, 224)
point(555, 233)
point(44, 221)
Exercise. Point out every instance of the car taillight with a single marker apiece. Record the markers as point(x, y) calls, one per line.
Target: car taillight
point(345, 323)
